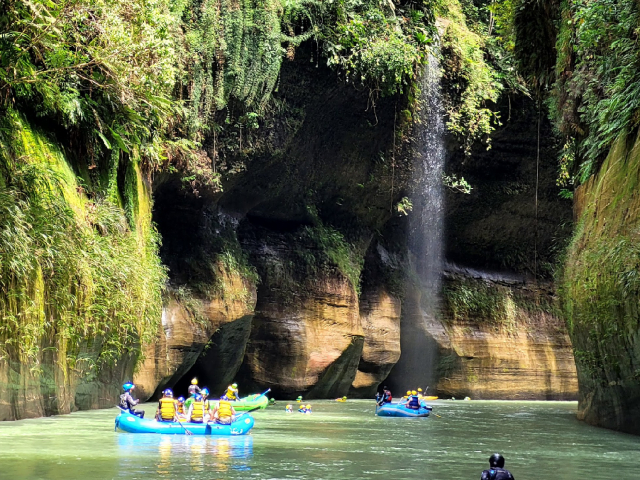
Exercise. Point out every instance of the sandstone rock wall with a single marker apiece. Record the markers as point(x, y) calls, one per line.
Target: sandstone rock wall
point(380, 319)
point(492, 341)
point(191, 323)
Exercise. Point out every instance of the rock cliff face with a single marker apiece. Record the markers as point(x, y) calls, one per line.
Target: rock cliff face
point(380, 319)
point(600, 288)
point(495, 228)
point(188, 326)
point(503, 341)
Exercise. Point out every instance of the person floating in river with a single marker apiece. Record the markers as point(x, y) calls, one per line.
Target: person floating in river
point(167, 407)
point(127, 402)
point(232, 393)
point(288, 409)
point(193, 388)
point(496, 469)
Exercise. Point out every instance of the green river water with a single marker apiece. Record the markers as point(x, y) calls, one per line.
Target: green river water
point(540, 440)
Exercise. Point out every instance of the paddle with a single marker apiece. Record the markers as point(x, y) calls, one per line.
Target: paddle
point(188, 432)
point(425, 394)
point(263, 394)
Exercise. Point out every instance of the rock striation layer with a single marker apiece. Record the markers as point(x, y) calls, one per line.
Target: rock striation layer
point(492, 341)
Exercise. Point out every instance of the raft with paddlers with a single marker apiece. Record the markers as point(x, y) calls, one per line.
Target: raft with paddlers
point(400, 410)
point(127, 422)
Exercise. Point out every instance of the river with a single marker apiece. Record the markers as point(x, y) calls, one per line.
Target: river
point(540, 440)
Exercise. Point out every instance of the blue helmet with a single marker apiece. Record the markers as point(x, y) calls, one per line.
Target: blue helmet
point(168, 393)
point(181, 399)
point(198, 397)
point(128, 386)
point(205, 391)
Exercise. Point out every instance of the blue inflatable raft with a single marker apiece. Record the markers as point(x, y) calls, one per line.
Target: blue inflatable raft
point(398, 410)
point(126, 422)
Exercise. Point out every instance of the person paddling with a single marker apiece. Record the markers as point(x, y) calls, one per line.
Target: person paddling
point(232, 393)
point(167, 407)
point(127, 402)
point(413, 401)
point(196, 412)
point(386, 396)
point(224, 414)
point(496, 469)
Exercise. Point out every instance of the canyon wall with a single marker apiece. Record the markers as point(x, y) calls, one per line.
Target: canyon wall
point(600, 288)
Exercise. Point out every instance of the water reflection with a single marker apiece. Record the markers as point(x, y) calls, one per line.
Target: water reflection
point(170, 455)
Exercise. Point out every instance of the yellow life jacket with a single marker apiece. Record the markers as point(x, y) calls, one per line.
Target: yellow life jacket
point(181, 408)
point(224, 409)
point(197, 412)
point(231, 393)
point(168, 407)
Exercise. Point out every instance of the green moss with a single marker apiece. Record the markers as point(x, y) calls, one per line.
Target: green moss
point(334, 251)
point(600, 281)
point(72, 269)
point(485, 303)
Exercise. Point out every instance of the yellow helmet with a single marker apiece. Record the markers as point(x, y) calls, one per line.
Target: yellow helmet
point(308, 406)
point(194, 381)
point(420, 390)
point(414, 392)
point(408, 392)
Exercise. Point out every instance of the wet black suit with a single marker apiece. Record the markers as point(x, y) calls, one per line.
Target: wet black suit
point(496, 473)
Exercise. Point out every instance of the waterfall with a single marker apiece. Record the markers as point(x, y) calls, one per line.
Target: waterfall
point(417, 364)
point(427, 222)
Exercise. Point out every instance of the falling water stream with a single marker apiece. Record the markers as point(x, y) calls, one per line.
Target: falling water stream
point(426, 230)
point(416, 366)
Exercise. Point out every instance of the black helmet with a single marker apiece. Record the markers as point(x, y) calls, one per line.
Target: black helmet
point(496, 460)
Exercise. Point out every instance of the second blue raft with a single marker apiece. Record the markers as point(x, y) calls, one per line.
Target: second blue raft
point(398, 410)
point(130, 423)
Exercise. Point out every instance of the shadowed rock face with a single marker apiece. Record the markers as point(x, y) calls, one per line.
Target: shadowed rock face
point(380, 319)
point(186, 329)
point(306, 336)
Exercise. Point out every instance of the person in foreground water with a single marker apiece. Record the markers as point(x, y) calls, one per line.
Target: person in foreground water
point(496, 469)
point(127, 402)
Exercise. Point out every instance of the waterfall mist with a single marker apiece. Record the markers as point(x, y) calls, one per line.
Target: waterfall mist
point(416, 366)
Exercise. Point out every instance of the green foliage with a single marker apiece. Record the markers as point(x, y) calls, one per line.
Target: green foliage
point(70, 268)
point(597, 93)
point(491, 304)
point(477, 67)
point(375, 48)
point(336, 251)
point(104, 68)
